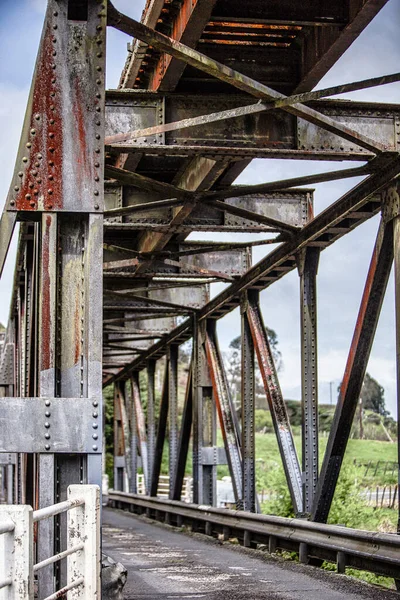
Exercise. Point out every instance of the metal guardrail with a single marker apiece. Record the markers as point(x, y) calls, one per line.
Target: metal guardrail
point(375, 552)
point(83, 546)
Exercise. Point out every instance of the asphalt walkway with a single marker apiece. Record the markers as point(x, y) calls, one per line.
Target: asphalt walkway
point(166, 563)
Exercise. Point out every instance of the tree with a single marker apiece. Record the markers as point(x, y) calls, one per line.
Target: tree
point(234, 367)
point(372, 394)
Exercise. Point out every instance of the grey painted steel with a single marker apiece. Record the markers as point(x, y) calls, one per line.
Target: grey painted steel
point(151, 430)
point(276, 403)
point(248, 408)
point(226, 411)
point(308, 266)
point(24, 426)
point(204, 423)
point(173, 430)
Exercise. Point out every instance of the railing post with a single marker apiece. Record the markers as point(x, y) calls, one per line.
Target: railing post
point(84, 527)
point(16, 550)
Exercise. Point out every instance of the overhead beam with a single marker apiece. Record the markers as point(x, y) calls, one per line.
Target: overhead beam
point(228, 75)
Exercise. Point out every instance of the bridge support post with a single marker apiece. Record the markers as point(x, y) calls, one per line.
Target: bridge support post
point(173, 416)
point(204, 423)
point(247, 399)
point(308, 265)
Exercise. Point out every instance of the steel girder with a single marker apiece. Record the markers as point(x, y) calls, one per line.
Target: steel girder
point(163, 182)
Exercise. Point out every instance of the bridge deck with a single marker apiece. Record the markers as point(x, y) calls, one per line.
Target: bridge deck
point(164, 563)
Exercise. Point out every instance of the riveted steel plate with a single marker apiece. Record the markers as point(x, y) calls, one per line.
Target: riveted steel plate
point(377, 127)
point(29, 425)
point(125, 113)
point(291, 208)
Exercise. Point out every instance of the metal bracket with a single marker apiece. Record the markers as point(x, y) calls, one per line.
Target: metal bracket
point(44, 425)
point(390, 203)
point(213, 456)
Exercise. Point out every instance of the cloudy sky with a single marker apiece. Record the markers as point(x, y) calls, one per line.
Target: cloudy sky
point(343, 267)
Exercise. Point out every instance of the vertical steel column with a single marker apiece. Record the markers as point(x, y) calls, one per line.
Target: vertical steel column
point(151, 430)
point(141, 427)
point(162, 427)
point(184, 438)
point(204, 422)
point(120, 437)
point(396, 247)
point(308, 267)
point(47, 389)
point(248, 407)
point(173, 415)
point(133, 442)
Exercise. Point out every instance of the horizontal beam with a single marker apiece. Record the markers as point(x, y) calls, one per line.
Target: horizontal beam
point(264, 272)
point(230, 76)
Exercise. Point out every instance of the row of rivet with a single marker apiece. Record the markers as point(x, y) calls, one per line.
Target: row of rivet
point(95, 425)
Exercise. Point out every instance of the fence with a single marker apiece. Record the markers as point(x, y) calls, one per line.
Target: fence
point(386, 496)
point(17, 568)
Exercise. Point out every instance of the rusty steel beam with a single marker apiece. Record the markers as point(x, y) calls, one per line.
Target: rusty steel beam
point(347, 210)
point(250, 109)
point(238, 80)
point(350, 389)
point(226, 412)
point(276, 403)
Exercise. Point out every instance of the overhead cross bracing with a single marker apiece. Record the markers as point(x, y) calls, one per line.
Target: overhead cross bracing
point(207, 87)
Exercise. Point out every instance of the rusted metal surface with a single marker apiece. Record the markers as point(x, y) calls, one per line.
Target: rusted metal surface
point(171, 158)
point(350, 389)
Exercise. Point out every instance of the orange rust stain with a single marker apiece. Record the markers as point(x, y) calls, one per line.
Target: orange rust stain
point(43, 164)
point(46, 356)
point(179, 26)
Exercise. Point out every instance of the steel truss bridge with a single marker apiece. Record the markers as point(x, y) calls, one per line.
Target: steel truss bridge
point(107, 187)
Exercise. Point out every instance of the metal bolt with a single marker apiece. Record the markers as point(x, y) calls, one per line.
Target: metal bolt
point(99, 28)
point(96, 206)
point(51, 163)
point(50, 206)
point(55, 26)
point(94, 425)
point(25, 160)
point(51, 134)
point(39, 180)
point(47, 413)
point(95, 403)
point(98, 109)
point(20, 174)
point(96, 164)
point(97, 178)
point(51, 149)
point(51, 177)
point(32, 204)
point(39, 156)
point(34, 173)
point(95, 415)
point(47, 425)
point(28, 145)
point(96, 192)
point(28, 196)
point(99, 54)
point(47, 436)
point(52, 121)
point(95, 436)
point(47, 446)
point(12, 202)
point(97, 136)
point(16, 188)
point(52, 107)
point(37, 117)
point(47, 402)
point(49, 192)
point(98, 81)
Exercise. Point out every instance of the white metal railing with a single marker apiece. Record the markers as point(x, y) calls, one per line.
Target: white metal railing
point(17, 568)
